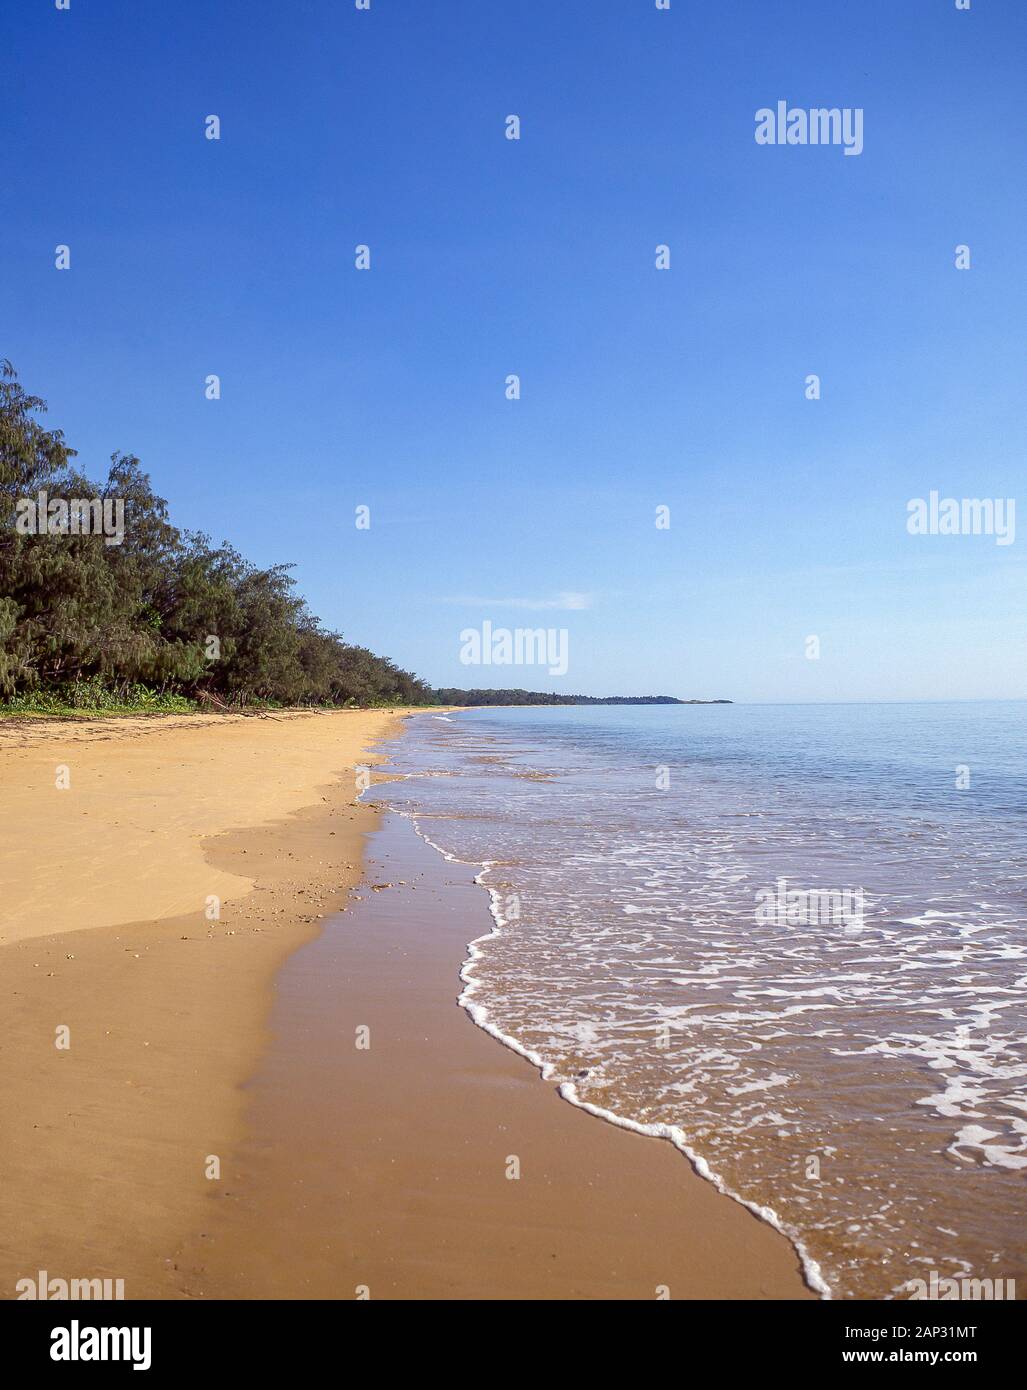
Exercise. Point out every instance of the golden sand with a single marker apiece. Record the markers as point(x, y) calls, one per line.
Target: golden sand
point(108, 1143)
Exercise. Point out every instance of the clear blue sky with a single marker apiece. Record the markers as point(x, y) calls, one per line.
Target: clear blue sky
point(489, 256)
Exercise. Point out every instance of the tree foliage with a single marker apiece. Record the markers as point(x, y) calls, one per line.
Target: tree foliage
point(164, 608)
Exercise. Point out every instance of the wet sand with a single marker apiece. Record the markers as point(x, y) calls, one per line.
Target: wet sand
point(380, 1162)
point(343, 1171)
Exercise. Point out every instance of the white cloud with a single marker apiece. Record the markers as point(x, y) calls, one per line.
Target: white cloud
point(566, 600)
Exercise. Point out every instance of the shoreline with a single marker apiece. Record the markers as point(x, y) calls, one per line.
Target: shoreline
point(672, 1134)
point(567, 1091)
point(428, 1162)
point(194, 1039)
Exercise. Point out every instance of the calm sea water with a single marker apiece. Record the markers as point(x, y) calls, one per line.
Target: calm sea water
point(860, 1076)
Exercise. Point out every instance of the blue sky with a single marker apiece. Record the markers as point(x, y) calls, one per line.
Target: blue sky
point(640, 387)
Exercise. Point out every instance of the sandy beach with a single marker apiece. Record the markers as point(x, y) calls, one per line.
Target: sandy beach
point(200, 1043)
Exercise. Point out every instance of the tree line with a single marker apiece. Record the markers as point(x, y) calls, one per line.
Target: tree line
point(161, 610)
point(537, 697)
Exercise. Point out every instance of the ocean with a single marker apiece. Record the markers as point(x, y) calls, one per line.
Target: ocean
point(790, 938)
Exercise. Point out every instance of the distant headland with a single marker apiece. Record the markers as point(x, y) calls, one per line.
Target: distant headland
point(539, 697)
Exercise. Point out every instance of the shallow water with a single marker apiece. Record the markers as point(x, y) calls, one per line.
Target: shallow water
point(854, 1067)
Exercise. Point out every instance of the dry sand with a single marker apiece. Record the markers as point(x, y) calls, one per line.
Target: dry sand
point(339, 1167)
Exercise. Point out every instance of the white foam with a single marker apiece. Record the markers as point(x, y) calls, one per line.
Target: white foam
point(622, 926)
point(567, 1090)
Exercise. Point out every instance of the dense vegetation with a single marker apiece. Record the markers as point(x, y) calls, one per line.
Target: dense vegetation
point(84, 624)
point(164, 619)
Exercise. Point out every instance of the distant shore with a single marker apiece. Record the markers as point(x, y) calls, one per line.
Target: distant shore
point(192, 856)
